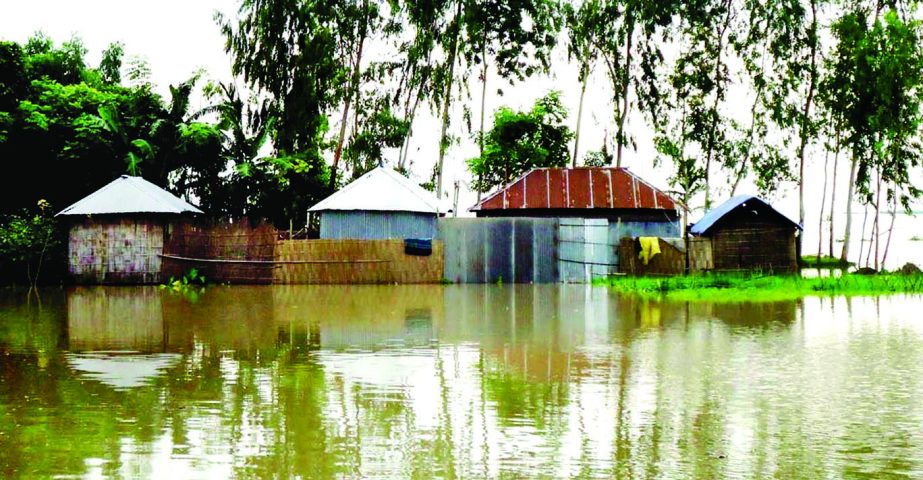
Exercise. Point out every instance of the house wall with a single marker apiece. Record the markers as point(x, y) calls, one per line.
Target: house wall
point(365, 225)
point(754, 246)
point(538, 250)
point(115, 250)
point(509, 250)
point(354, 262)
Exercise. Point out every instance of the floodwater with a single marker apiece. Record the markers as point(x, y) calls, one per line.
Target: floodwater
point(457, 381)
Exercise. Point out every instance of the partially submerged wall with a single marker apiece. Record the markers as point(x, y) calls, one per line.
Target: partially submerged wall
point(490, 250)
point(115, 250)
point(670, 261)
point(354, 261)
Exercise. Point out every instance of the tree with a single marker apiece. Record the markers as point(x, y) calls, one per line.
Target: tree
point(27, 238)
point(521, 141)
point(581, 48)
point(110, 67)
point(873, 90)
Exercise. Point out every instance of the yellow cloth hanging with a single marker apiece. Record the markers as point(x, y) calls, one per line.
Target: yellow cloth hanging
point(650, 246)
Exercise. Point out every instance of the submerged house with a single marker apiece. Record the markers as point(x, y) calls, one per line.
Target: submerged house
point(117, 233)
point(744, 233)
point(381, 204)
point(593, 209)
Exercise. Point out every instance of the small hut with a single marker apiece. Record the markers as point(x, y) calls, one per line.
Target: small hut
point(744, 233)
point(117, 233)
point(381, 204)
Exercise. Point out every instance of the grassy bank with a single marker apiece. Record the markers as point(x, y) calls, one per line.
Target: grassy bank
point(826, 261)
point(754, 287)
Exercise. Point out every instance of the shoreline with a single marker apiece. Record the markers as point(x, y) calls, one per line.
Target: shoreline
point(751, 287)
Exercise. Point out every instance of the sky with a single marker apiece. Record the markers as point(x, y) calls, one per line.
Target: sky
point(178, 38)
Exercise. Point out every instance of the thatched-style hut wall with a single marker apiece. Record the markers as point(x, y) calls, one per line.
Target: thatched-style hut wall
point(746, 233)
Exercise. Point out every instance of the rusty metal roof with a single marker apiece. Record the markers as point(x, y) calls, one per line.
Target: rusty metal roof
point(582, 187)
point(128, 194)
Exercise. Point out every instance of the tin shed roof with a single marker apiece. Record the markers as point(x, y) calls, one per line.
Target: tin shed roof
point(714, 215)
point(128, 194)
point(381, 189)
point(583, 187)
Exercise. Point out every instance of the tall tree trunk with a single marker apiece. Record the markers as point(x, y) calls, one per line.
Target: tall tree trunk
point(741, 171)
point(626, 81)
point(836, 161)
point(876, 226)
point(805, 120)
point(447, 100)
point(820, 217)
point(850, 192)
point(865, 217)
point(483, 102)
point(579, 120)
point(884, 256)
point(351, 94)
point(710, 148)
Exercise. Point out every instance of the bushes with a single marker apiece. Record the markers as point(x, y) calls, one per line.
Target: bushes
point(28, 242)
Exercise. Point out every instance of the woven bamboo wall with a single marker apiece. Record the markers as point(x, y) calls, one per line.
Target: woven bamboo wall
point(670, 260)
point(115, 250)
point(755, 246)
point(355, 261)
point(222, 243)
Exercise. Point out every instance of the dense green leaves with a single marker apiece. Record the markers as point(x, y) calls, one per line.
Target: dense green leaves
point(520, 141)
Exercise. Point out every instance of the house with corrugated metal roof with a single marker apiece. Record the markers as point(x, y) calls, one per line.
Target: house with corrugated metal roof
point(614, 194)
point(117, 233)
point(382, 204)
point(575, 216)
point(744, 233)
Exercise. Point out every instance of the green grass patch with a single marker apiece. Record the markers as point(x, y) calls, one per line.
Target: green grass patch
point(826, 261)
point(762, 288)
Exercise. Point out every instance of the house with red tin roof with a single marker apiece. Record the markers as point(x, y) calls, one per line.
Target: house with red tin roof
point(611, 193)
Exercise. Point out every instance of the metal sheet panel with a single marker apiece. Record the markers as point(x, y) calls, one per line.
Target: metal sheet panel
point(126, 195)
point(579, 188)
point(487, 249)
point(362, 225)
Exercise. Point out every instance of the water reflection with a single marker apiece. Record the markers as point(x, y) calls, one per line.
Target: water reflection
point(459, 381)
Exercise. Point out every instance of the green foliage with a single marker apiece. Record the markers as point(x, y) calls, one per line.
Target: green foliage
point(756, 287)
point(601, 158)
point(27, 240)
point(824, 261)
point(521, 141)
point(110, 67)
point(190, 287)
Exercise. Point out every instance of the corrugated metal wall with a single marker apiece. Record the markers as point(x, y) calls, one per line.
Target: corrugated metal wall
point(488, 250)
point(365, 225)
point(585, 251)
point(537, 250)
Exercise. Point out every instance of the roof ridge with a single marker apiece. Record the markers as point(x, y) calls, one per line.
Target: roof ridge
point(92, 195)
point(408, 185)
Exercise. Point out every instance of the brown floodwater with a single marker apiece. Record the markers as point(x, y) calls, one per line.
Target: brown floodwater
point(473, 381)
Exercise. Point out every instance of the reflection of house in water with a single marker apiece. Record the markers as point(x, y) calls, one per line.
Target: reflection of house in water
point(122, 370)
point(119, 334)
point(111, 318)
point(362, 316)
